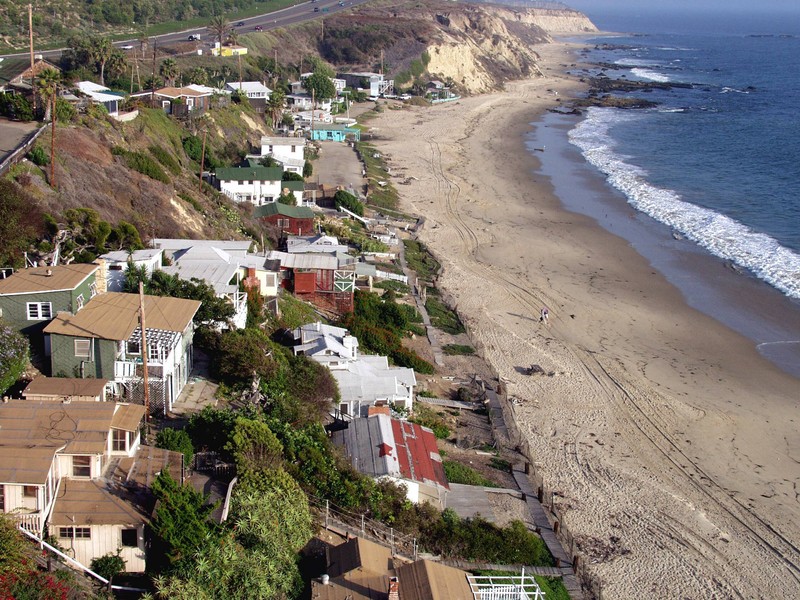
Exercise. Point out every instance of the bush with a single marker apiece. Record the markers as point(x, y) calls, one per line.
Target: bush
point(14, 356)
point(458, 473)
point(38, 156)
point(458, 350)
point(146, 166)
point(166, 159)
point(177, 440)
point(109, 565)
point(350, 202)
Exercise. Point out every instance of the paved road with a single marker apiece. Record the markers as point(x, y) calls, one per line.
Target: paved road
point(273, 20)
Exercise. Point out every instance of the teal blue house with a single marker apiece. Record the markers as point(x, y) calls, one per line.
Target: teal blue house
point(335, 132)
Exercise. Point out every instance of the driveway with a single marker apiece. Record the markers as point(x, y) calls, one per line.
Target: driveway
point(338, 164)
point(12, 134)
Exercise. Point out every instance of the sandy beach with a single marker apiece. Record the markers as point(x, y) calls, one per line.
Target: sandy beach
point(669, 442)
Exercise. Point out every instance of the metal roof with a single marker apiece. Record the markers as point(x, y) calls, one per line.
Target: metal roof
point(304, 261)
point(380, 445)
point(37, 280)
point(258, 173)
point(114, 316)
point(122, 256)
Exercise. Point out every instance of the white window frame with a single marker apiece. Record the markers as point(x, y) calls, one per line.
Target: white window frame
point(137, 345)
point(83, 348)
point(75, 533)
point(119, 440)
point(79, 302)
point(82, 467)
point(39, 311)
point(92, 290)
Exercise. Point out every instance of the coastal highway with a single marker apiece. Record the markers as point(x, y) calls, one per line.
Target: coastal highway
point(273, 20)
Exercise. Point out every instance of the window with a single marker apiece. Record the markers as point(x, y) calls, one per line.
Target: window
point(134, 348)
point(76, 533)
point(83, 348)
point(2, 498)
point(130, 538)
point(79, 302)
point(29, 491)
point(93, 289)
point(293, 149)
point(113, 268)
point(153, 351)
point(39, 311)
point(119, 440)
point(81, 466)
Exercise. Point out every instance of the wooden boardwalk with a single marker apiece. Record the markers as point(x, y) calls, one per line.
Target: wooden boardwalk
point(448, 403)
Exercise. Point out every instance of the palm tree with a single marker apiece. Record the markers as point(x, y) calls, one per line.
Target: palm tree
point(219, 27)
point(47, 83)
point(101, 51)
point(275, 106)
point(168, 70)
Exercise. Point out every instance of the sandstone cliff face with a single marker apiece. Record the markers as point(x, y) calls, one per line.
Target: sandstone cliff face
point(480, 48)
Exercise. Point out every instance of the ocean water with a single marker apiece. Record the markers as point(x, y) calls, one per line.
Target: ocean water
point(706, 186)
point(719, 161)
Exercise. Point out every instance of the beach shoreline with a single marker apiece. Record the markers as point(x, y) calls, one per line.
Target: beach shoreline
point(667, 440)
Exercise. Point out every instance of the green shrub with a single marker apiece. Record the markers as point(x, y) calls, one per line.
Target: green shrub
point(458, 350)
point(177, 440)
point(500, 464)
point(146, 166)
point(350, 202)
point(441, 316)
point(458, 473)
point(38, 156)
point(14, 356)
point(431, 419)
point(166, 159)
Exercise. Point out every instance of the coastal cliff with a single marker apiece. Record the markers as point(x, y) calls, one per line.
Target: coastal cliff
point(472, 48)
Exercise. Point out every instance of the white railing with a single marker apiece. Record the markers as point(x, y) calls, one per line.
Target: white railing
point(124, 369)
point(32, 522)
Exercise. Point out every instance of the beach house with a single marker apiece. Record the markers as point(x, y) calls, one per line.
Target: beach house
point(30, 298)
point(334, 132)
point(118, 261)
point(104, 340)
point(80, 470)
point(255, 184)
point(257, 93)
point(385, 448)
point(288, 151)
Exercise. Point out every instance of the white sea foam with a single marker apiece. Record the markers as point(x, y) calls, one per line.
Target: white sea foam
point(648, 74)
point(718, 233)
point(636, 62)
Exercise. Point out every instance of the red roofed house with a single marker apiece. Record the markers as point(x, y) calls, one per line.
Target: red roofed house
point(380, 446)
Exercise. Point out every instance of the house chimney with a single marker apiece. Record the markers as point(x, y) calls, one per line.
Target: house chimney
point(324, 579)
point(394, 589)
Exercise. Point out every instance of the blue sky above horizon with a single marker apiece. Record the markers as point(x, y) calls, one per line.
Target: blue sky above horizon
point(597, 6)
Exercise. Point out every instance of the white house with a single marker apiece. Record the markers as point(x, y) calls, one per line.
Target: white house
point(101, 95)
point(364, 380)
point(117, 263)
point(288, 151)
point(251, 89)
point(221, 262)
point(373, 83)
point(302, 244)
point(256, 184)
point(71, 466)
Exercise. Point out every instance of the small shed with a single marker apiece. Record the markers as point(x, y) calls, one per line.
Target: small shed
point(296, 220)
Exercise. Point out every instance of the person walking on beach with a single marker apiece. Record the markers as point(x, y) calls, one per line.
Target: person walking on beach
point(545, 315)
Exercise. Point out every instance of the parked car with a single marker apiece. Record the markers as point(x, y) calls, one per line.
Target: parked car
point(194, 37)
point(316, 9)
point(259, 28)
point(240, 24)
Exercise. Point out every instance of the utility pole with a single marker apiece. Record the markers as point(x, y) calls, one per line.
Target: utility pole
point(153, 80)
point(53, 139)
point(143, 350)
point(203, 160)
point(33, 74)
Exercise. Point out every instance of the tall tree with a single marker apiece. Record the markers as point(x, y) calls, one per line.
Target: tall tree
point(219, 28)
point(275, 106)
point(320, 85)
point(48, 83)
point(168, 70)
point(101, 51)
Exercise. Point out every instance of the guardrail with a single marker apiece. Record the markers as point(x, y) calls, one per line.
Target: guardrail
point(21, 150)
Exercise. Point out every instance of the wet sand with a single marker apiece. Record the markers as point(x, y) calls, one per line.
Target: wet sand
point(670, 442)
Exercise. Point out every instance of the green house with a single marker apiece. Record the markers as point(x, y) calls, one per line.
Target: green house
point(104, 341)
point(31, 298)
